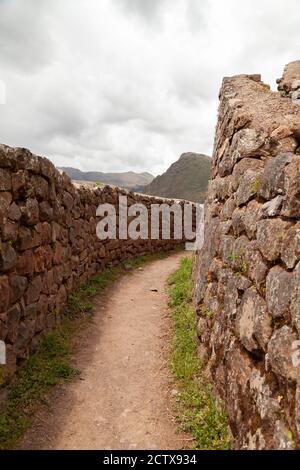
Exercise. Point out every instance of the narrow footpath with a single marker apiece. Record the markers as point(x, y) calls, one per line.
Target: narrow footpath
point(123, 398)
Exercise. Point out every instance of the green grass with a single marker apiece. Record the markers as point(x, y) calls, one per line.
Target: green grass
point(51, 364)
point(196, 408)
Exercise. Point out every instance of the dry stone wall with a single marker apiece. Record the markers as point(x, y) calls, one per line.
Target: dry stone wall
point(48, 245)
point(247, 274)
point(289, 84)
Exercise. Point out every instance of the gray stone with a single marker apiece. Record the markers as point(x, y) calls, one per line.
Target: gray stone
point(25, 334)
point(228, 161)
point(262, 393)
point(291, 207)
point(291, 247)
point(283, 437)
point(270, 237)
point(8, 258)
point(238, 260)
point(33, 291)
point(252, 215)
point(227, 211)
point(5, 180)
point(238, 221)
point(278, 292)
point(5, 201)
point(46, 211)
point(230, 298)
point(244, 165)
point(253, 324)
point(221, 188)
point(256, 267)
point(10, 231)
point(272, 208)
point(227, 248)
point(4, 293)
point(295, 298)
point(211, 299)
point(30, 212)
point(248, 187)
point(249, 143)
point(18, 285)
point(284, 353)
point(13, 318)
point(296, 95)
point(295, 85)
point(272, 178)
point(203, 330)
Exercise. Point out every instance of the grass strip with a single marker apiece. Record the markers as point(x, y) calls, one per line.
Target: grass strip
point(196, 408)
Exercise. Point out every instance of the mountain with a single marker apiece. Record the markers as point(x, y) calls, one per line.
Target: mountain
point(128, 180)
point(185, 179)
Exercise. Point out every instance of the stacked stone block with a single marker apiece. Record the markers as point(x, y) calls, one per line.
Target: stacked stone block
point(48, 245)
point(247, 275)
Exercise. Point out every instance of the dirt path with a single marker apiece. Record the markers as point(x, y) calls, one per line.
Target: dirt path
point(123, 398)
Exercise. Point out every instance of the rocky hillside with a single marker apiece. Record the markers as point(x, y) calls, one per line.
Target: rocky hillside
point(185, 179)
point(128, 180)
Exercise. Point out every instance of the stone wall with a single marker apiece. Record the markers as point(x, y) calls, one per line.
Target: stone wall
point(247, 274)
point(289, 84)
point(48, 245)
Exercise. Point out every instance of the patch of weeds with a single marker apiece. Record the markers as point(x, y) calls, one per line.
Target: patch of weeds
point(197, 410)
point(243, 268)
point(77, 305)
point(206, 313)
point(80, 301)
point(255, 185)
point(232, 257)
point(181, 287)
point(49, 366)
point(279, 236)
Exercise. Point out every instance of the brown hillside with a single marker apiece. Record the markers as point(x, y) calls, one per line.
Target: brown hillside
point(185, 179)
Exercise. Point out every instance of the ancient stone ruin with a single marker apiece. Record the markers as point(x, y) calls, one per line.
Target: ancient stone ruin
point(248, 273)
point(48, 245)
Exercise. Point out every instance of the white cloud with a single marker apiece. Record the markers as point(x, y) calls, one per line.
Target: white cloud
point(129, 84)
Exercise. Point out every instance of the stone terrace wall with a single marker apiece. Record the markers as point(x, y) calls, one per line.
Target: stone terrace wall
point(248, 273)
point(48, 245)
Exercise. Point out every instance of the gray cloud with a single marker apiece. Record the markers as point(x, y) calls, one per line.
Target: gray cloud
point(130, 84)
point(24, 35)
point(147, 9)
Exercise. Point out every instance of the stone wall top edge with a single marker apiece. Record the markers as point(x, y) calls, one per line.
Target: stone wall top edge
point(18, 158)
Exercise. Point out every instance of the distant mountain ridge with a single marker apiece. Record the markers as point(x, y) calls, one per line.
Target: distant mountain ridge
point(185, 179)
point(128, 180)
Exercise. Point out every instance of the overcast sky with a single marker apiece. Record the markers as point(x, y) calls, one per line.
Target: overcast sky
point(117, 85)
